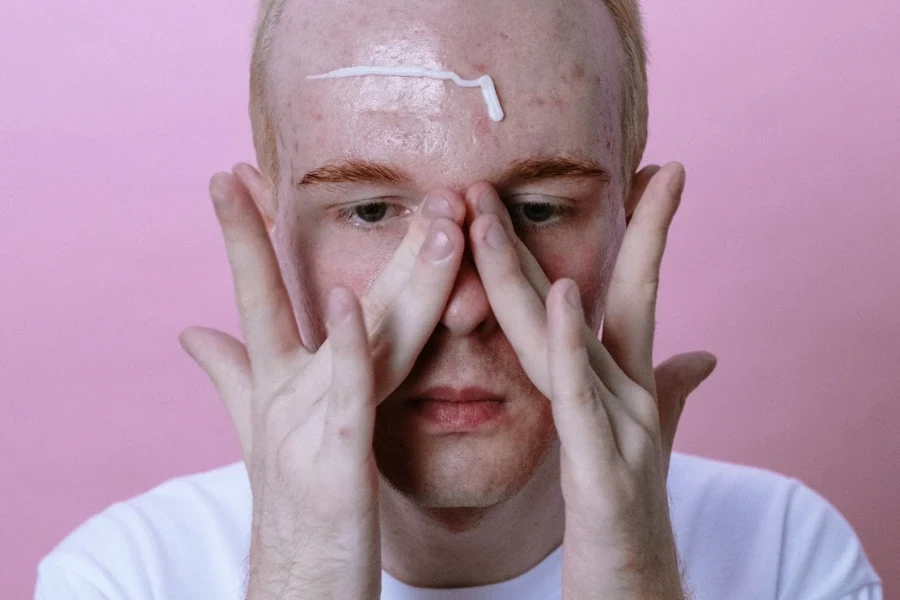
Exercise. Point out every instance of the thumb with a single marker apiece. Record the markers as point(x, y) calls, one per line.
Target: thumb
point(676, 379)
point(225, 361)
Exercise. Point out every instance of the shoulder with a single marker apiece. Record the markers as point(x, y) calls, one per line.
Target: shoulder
point(736, 523)
point(188, 534)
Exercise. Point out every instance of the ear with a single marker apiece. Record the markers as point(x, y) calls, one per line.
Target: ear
point(260, 189)
point(639, 183)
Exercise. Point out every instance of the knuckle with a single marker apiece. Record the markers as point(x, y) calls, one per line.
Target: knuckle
point(648, 413)
point(290, 450)
point(277, 409)
point(275, 413)
point(344, 432)
point(586, 398)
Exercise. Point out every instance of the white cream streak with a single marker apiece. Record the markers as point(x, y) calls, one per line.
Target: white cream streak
point(495, 112)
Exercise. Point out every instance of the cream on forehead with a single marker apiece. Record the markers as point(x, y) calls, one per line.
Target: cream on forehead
point(495, 112)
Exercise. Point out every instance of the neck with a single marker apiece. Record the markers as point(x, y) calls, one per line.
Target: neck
point(466, 547)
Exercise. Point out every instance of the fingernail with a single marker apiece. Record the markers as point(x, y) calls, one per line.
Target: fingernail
point(711, 367)
point(680, 180)
point(572, 297)
point(496, 236)
point(217, 191)
point(437, 245)
point(485, 203)
point(436, 206)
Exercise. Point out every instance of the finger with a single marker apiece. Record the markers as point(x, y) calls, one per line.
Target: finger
point(409, 320)
point(520, 311)
point(350, 413)
point(267, 319)
point(252, 180)
point(629, 319)
point(483, 199)
point(638, 187)
point(225, 361)
point(676, 379)
point(577, 394)
point(438, 204)
point(516, 304)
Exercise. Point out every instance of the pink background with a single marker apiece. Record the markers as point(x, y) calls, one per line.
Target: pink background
point(783, 259)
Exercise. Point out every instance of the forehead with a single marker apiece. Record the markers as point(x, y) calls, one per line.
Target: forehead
point(556, 68)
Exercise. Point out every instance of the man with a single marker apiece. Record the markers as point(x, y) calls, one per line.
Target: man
point(424, 405)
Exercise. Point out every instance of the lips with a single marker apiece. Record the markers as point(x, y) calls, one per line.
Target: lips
point(450, 394)
point(457, 409)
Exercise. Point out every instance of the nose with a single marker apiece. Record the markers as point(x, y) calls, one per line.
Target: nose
point(468, 310)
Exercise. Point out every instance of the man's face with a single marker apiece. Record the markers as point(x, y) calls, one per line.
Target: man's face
point(556, 68)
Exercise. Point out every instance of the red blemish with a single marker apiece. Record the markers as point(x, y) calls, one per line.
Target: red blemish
point(480, 67)
point(578, 71)
point(481, 125)
point(317, 117)
point(540, 101)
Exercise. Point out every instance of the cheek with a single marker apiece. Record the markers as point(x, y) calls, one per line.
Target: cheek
point(587, 257)
point(337, 257)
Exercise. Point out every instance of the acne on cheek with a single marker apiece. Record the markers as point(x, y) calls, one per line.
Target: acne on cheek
point(482, 126)
point(555, 102)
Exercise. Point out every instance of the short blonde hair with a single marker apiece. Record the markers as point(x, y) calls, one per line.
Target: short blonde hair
point(635, 112)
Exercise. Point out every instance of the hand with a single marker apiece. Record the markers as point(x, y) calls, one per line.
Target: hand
point(618, 541)
point(305, 419)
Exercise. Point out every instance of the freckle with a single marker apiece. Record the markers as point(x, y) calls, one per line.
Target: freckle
point(296, 145)
point(363, 21)
point(608, 144)
point(320, 140)
point(578, 71)
point(558, 102)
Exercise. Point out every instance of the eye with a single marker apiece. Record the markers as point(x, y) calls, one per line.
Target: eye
point(532, 213)
point(538, 212)
point(371, 214)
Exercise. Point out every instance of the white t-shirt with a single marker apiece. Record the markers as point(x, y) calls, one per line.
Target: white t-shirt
point(743, 534)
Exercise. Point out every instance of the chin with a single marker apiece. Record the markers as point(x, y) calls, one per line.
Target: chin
point(478, 468)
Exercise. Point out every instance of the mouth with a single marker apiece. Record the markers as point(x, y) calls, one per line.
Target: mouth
point(447, 409)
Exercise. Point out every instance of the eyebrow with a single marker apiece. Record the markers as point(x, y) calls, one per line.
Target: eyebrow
point(529, 169)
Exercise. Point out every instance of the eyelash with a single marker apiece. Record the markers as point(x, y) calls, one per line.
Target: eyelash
point(348, 214)
point(558, 211)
